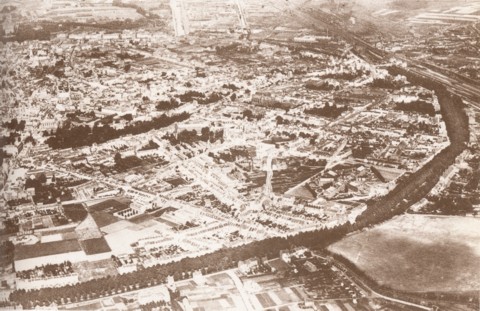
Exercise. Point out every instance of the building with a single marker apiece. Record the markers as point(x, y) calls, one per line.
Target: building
point(154, 294)
point(246, 266)
point(11, 150)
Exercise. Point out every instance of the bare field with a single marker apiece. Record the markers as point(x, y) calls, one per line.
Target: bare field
point(418, 253)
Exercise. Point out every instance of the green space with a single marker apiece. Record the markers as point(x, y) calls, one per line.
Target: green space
point(95, 246)
point(75, 212)
point(70, 135)
point(46, 249)
point(103, 219)
point(109, 206)
point(418, 253)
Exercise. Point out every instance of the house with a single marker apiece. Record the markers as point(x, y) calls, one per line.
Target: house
point(298, 252)
point(246, 266)
point(285, 256)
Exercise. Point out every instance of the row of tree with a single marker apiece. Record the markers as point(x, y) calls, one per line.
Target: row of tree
point(418, 106)
point(43, 30)
point(191, 136)
point(140, 10)
point(328, 110)
point(14, 125)
point(451, 205)
point(70, 136)
point(409, 191)
point(124, 164)
point(416, 186)
point(217, 261)
point(321, 86)
point(387, 83)
point(170, 104)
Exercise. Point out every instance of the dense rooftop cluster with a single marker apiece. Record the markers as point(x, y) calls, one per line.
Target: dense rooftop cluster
point(143, 155)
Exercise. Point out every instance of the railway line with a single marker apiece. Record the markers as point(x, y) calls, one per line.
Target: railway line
point(455, 83)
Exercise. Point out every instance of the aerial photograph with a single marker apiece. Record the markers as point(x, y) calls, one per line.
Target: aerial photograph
point(250, 155)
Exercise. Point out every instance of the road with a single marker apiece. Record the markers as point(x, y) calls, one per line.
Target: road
point(180, 21)
point(241, 289)
point(231, 273)
point(249, 306)
point(354, 278)
point(241, 14)
point(336, 158)
point(358, 280)
point(269, 169)
point(455, 84)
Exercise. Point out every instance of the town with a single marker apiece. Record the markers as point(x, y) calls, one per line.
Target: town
point(134, 147)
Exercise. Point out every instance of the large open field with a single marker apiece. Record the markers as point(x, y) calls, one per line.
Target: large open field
point(418, 253)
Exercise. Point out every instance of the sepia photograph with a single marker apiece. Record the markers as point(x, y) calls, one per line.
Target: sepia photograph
point(240, 155)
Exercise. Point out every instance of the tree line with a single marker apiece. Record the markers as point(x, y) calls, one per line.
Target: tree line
point(407, 192)
point(70, 136)
point(418, 184)
point(15, 125)
point(418, 106)
point(43, 30)
point(191, 136)
point(217, 261)
point(328, 110)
